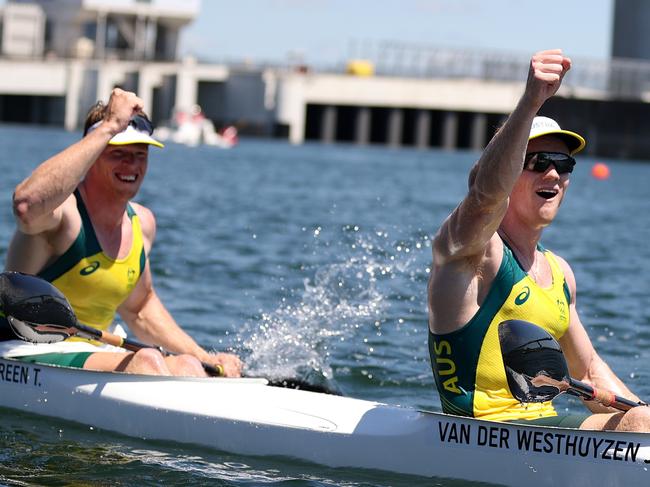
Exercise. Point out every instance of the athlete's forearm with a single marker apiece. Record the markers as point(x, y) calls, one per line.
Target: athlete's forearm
point(470, 227)
point(154, 325)
point(54, 180)
point(502, 161)
point(602, 377)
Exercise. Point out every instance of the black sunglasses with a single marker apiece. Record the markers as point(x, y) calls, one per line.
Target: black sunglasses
point(142, 124)
point(542, 160)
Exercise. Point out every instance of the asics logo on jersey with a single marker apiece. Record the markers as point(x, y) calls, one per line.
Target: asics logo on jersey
point(523, 296)
point(89, 269)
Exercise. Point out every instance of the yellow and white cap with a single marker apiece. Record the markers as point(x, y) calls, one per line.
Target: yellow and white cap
point(138, 131)
point(547, 126)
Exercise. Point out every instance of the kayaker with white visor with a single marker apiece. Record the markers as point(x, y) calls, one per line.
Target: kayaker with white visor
point(78, 228)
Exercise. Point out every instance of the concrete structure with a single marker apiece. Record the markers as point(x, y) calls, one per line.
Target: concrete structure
point(631, 41)
point(443, 113)
point(630, 35)
point(60, 56)
point(23, 31)
point(396, 111)
point(115, 29)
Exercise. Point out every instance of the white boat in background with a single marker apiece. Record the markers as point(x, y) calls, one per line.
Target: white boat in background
point(250, 417)
point(192, 128)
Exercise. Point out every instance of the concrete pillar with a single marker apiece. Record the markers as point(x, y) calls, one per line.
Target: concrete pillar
point(140, 37)
point(479, 127)
point(110, 74)
point(36, 109)
point(423, 129)
point(73, 94)
point(297, 127)
point(362, 129)
point(187, 85)
point(100, 36)
point(286, 97)
point(450, 130)
point(150, 36)
point(328, 127)
point(395, 127)
point(150, 78)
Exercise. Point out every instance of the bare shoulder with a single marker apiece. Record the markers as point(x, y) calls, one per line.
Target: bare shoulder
point(147, 220)
point(468, 231)
point(458, 287)
point(488, 260)
point(568, 272)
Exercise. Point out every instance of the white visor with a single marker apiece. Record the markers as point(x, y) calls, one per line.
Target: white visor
point(130, 135)
point(547, 126)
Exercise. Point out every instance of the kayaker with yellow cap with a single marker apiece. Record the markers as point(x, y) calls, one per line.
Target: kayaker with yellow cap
point(78, 228)
point(489, 267)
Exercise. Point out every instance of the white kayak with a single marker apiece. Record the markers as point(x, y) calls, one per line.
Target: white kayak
point(249, 417)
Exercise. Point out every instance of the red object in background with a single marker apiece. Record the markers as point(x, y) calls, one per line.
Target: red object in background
point(230, 135)
point(600, 170)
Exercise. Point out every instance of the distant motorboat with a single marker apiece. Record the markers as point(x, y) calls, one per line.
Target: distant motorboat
point(193, 128)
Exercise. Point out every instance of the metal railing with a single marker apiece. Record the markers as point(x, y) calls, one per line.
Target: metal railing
point(627, 79)
point(611, 78)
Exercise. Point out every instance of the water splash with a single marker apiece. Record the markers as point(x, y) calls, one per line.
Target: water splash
point(342, 298)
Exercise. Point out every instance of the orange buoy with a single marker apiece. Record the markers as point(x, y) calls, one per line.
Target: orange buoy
point(600, 170)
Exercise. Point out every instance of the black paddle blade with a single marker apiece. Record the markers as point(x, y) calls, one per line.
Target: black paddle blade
point(33, 300)
point(529, 352)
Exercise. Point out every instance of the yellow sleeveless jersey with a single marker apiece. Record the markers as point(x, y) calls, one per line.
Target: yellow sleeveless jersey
point(94, 283)
point(467, 363)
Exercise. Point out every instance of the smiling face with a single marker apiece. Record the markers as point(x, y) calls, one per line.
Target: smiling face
point(120, 169)
point(536, 197)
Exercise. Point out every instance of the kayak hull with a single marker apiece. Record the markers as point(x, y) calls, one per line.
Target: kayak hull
point(249, 417)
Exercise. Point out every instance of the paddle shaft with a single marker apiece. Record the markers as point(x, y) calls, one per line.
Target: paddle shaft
point(84, 331)
point(25, 299)
point(606, 398)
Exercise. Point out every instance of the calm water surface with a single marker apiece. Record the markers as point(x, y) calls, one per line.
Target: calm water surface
point(313, 261)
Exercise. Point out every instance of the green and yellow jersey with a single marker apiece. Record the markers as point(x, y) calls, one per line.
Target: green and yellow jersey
point(467, 363)
point(94, 283)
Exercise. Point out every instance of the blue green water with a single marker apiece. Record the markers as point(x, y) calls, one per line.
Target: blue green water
point(314, 260)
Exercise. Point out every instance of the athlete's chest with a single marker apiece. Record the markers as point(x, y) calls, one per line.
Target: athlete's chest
point(116, 242)
point(547, 307)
